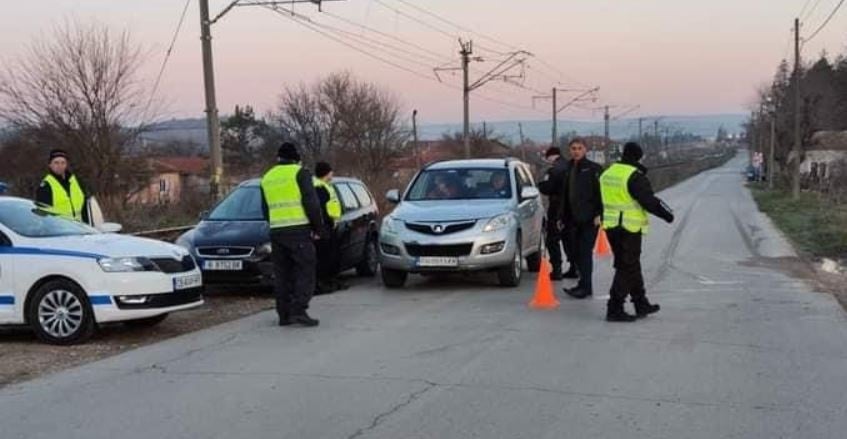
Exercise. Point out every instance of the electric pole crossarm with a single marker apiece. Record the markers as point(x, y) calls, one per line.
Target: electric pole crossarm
point(579, 98)
point(499, 70)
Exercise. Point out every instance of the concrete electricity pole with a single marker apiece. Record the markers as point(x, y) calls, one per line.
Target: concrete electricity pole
point(523, 142)
point(795, 177)
point(466, 52)
point(213, 127)
point(415, 139)
point(640, 129)
point(605, 126)
point(587, 95)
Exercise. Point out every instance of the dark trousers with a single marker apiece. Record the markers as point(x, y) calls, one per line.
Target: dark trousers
point(628, 280)
point(327, 266)
point(555, 241)
point(583, 236)
point(294, 271)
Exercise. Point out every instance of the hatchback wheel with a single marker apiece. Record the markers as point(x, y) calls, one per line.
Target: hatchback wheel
point(370, 260)
point(59, 313)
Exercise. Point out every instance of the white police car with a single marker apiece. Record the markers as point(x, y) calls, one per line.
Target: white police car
point(62, 278)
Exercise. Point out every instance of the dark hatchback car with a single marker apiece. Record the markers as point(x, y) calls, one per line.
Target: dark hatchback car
point(232, 242)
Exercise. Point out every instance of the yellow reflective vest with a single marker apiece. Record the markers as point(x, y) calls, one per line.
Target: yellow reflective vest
point(283, 197)
point(66, 203)
point(619, 208)
point(333, 206)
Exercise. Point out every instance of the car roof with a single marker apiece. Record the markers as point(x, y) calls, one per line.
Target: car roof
point(254, 182)
point(472, 163)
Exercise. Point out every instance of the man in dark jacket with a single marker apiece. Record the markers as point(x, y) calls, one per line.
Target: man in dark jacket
point(327, 245)
point(581, 212)
point(627, 199)
point(61, 189)
point(551, 186)
point(291, 207)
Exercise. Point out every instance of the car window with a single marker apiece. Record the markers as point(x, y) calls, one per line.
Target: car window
point(348, 200)
point(461, 184)
point(242, 204)
point(362, 194)
point(4, 240)
point(26, 219)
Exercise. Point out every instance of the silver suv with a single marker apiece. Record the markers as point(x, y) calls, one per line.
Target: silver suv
point(464, 215)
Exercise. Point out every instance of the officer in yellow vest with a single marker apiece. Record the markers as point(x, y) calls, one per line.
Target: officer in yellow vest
point(627, 199)
point(326, 246)
point(294, 216)
point(60, 189)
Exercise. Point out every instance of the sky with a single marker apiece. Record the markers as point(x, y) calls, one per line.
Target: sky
point(668, 57)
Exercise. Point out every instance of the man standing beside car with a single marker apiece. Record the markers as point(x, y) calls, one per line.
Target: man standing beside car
point(291, 207)
point(581, 213)
point(327, 251)
point(60, 189)
point(554, 238)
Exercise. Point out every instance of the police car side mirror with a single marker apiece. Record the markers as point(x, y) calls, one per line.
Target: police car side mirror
point(529, 192)
point(393, 196)
point(110, 228)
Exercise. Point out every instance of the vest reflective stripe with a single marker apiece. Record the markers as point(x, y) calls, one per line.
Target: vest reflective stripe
point(283, 197)
point(619, 208)
point(333, 206)
point(63, 203)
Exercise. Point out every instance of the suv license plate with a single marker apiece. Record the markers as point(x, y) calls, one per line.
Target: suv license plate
point(223, 265)
point(431, 261)
point(186, 282)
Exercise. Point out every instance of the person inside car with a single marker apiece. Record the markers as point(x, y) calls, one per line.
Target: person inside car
point(444, 188)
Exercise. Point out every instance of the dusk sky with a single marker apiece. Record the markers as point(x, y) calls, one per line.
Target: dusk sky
point(668, 56)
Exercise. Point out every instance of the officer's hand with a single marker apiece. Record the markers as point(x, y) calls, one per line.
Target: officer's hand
point(597, 221)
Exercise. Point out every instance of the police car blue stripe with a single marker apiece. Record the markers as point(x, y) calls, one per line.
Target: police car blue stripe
point(47, 252)
point(7, 300)
point(100, 300)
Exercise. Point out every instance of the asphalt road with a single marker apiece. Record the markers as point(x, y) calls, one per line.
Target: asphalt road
point(738, 350)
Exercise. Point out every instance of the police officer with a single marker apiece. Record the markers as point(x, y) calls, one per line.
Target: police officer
point(582, 210)
point(327, 267)
point(627, 199)
point(294, 215)
point(554, 238)
point(61, 190)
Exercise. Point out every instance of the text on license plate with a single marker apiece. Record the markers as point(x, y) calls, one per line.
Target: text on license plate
point(436, 261)
point(223, 265)
point(186, 282)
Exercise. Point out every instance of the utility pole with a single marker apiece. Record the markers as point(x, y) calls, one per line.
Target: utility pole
point(523, 142)
point(586, 95)
point(213, 127)
point(795, 177)
point(555, 119)
point(606, 126)
point(772, 150)
point(466, 52)
point(640, 129)
point(415, 139)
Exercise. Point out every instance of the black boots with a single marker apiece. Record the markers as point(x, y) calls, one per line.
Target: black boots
point(556, 274)
point(298, 319)
point(571, 273)
point(577, 292)
point(616, 313)
point(643, 308)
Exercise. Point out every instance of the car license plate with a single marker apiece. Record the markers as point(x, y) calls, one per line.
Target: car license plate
point(223, 265)
point(186, 282)
point(433, 261)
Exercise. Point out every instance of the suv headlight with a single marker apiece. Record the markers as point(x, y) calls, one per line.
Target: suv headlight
point(390, 225)
point(125, 265)
point(264, 249)
point(498, 222)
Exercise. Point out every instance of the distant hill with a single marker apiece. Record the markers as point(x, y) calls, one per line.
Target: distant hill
point(537, 130)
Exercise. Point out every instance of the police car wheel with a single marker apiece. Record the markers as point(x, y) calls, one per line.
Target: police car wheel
point(59, 313)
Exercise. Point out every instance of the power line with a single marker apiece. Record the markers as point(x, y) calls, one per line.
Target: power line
point(165, 61)
point(804, 8)
point(823, 25)
point(417, 20)
point(812, 10)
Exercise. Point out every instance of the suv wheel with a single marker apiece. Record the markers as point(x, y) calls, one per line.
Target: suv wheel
point(510, 275)
point(533, 261)
point(393, 278)
point(370, 262)
point(59, 313)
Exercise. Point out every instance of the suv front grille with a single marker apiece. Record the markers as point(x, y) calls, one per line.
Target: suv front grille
point(453, 250)
point(225, 252)
point(169, 265)
point(433, 229)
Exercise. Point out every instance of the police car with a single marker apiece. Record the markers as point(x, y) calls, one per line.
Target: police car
point(63, 278)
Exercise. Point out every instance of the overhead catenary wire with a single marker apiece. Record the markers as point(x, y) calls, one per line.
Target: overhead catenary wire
point(811, 11)
point(825, 22)
point(165, 60)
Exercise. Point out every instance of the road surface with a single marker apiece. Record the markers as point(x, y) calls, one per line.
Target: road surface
point(738, 350)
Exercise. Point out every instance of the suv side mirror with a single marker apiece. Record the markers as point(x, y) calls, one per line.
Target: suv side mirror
point(393, 196)
point(529, 192)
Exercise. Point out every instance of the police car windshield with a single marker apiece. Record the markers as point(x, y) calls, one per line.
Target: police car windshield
point(26, 219)
point(461, 184)
point(243, 204)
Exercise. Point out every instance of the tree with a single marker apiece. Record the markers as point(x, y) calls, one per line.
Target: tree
point(249, 143)
point(78, 89)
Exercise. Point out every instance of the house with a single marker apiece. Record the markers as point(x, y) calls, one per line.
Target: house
point(824, 153)
point(172, 178)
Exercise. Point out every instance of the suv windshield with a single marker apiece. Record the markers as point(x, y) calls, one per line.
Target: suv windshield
point(461, 184)
point(25, 219)
point(243, 204)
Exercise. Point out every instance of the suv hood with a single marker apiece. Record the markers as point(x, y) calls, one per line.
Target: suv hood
point(449, 210)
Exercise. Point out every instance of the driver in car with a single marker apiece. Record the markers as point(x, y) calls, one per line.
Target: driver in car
point(443, 188)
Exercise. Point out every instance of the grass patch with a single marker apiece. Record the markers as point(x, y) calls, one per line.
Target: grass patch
point(815, 225)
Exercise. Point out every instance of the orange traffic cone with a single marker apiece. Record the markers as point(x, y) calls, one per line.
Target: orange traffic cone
point(602, 248)
point(544, 297)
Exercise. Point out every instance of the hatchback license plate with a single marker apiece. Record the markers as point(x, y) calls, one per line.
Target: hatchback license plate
point(186, 282)
point(223, 265)
point(434, 261)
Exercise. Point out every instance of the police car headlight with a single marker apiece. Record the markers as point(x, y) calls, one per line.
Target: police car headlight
point(497, 223)
point(390, 225)
point(125, 265)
